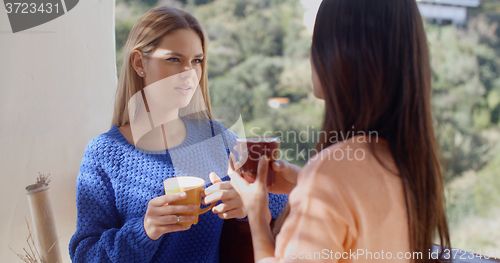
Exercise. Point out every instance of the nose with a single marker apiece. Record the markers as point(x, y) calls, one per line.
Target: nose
point(188, 73)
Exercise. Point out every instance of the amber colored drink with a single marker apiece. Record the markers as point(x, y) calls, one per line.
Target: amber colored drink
point(252, 149)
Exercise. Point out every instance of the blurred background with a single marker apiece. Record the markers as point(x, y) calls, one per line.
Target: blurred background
point(258, 63)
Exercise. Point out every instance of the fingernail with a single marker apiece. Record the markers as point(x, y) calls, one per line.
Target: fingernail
point(278, 165)
point(182, 194)
point(193, 207)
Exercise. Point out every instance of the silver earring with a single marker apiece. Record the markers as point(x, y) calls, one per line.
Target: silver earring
point(142, 73)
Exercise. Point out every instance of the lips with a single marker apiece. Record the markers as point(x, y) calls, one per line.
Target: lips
point(183, 90)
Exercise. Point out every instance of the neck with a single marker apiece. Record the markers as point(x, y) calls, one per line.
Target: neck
point(152, 130)
point(165, 117)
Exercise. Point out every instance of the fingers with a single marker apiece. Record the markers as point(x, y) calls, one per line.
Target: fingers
point(176, 209)
point(221, 195)
point(237, 182)
point(278, 165)
point(237, 213)
point(237, 165)
point(232, 161)
point(162, 219)
point(228, 206)
point(243, 153)
point(216, 181)
point(262, 170)
point(217, 187)
point(165, 199)
point(214, 178)
point(172, 219)
point(234, 165)
point(248, 178)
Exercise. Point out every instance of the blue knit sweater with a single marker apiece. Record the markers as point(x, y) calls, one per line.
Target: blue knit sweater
point(116, 182)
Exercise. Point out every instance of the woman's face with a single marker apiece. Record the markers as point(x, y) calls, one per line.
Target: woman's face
point(317, 90)
point(172, 72)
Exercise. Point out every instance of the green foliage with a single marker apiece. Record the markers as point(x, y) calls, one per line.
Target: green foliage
point(487, 190)
point(466, 74)
point(259, 49)
point(460, 197)
point(126, 15)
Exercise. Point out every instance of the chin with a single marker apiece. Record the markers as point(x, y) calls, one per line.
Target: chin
point(318, 95)
point(183, 103)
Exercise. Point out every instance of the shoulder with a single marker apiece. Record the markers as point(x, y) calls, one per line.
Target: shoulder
point(222, 129)
point(355, 164)
point(218, 126)
point(368, 181)
point(106, 144)
point(207, 124)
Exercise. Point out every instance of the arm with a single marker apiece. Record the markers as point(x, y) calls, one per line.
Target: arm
point(99, 236)
point(312, 233)
point(256, 201)
point(262, 236)
point(315, 224)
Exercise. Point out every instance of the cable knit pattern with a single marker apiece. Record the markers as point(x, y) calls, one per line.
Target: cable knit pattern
point(116, 182)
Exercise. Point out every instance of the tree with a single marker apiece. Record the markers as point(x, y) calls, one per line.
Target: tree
point(466, 81)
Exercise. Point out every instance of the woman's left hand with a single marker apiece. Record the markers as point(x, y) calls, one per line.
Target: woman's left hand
point(232, 205)
point(254, 195)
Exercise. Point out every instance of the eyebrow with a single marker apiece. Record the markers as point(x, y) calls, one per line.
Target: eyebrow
point(181, 55)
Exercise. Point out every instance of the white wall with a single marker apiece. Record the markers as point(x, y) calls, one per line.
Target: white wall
point(469, 3)
point(457, 14)
point(57, 83)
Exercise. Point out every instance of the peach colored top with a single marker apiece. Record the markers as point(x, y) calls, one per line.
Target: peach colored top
point(346, 207)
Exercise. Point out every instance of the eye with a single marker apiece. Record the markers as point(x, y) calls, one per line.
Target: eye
point(173, 59)
point(198, 61)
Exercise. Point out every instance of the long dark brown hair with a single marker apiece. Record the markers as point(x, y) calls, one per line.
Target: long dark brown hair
point(372, 61)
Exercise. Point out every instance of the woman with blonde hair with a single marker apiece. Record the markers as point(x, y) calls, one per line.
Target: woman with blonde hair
point(162, 128)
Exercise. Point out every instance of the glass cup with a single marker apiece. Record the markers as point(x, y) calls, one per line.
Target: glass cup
point(252, 149)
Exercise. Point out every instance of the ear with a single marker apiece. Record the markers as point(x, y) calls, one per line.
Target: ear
point(137, 61)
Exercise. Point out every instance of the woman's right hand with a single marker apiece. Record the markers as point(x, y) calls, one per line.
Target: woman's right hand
point(161, 218)
point(285, 177)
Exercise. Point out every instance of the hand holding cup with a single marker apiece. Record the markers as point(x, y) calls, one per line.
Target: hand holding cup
point(162, 218)
point(251, 150)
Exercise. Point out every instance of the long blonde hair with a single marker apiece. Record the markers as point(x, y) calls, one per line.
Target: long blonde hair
point(145, 37)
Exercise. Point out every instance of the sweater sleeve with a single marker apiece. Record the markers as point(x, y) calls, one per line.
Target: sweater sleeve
point(276, 204)
point(100, 236)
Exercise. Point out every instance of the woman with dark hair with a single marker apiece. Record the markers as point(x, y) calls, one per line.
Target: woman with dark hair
point(379, 193)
